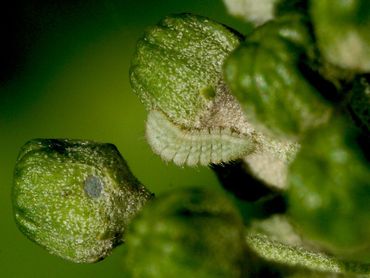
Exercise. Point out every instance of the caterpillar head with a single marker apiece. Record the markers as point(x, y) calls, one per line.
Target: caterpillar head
point(75, 198)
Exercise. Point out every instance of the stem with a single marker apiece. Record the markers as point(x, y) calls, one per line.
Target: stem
point(297, 256)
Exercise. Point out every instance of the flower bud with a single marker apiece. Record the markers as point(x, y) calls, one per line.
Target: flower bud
point(186, 233)
point(264, 73)
point(177, 73)
point(75, 198)
point(329, 191)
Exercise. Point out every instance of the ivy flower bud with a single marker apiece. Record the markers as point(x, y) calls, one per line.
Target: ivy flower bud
point(264, 74)
point(329, 192)
point(177, 73)
point(75, 198)
point(187, 233)
point(342, 31)
point(193, 119)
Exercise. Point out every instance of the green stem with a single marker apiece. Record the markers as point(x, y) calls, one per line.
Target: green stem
point(297, 256)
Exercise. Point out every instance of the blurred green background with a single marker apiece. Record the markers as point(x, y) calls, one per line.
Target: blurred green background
point(64, 74)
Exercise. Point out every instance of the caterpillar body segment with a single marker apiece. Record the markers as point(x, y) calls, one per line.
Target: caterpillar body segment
point(193, 147)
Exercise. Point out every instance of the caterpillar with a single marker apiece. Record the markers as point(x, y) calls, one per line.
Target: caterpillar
point(193, 147)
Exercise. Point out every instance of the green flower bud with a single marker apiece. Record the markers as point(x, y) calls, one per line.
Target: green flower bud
point(177, 66)
point(329, 191)
point(264, 74)
point(177, 73)
point(187, 233)
point(75, 198)
point(342, 31)
point(193, 118)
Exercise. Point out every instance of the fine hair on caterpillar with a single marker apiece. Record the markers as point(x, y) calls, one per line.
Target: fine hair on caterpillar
point(193, 147)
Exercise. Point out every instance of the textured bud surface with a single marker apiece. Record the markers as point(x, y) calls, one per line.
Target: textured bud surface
point(329, 191)
point(178, 64)
point(264, 74)
point(187, 233)
point(75, 198)
point(193, 118)
point(177, 71)
point(342, 31)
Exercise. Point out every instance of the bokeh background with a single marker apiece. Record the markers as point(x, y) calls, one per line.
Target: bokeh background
point(64, 74)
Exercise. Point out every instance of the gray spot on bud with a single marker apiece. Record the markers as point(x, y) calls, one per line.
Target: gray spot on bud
point(93, 186)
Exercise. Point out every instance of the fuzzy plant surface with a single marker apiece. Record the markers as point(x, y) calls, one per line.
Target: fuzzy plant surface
point(329, 191)
point(177, 72)
point(75, 198)
point(292, 104)
point(191, 232)
point(280, 114)
point(264, 74)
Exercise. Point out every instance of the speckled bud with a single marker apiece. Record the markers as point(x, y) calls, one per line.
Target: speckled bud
point(329, 191)
point(264, 74)
point(342, 31)
point(75, 198)
point(186, 233)
point(177, 67)
point(177, 73)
